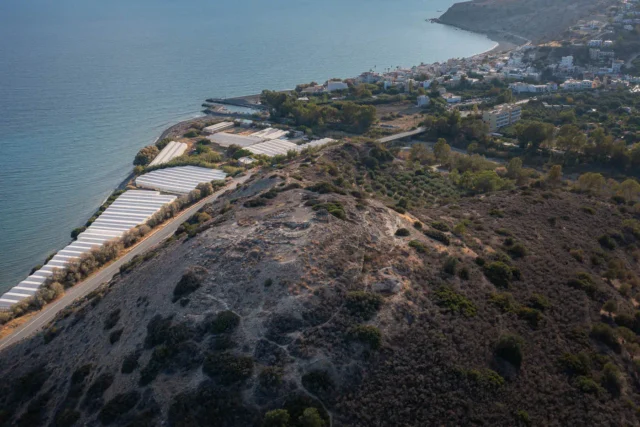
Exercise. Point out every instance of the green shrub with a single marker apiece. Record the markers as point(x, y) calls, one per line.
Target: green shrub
point(324, 188)
point(363, 304)
point(191, 280)
point(112, 319)
point(539, 302)
point(157, 330)
point(517, 250)
point(439, 236)
point(606, 335)
point(499, 273)
point(450, 265)
point(486, 378)
point(366, 334)
point(577, 254)
point(225, 321)
point(418, 246)
point(403, 232)
point(607, 242)
point(576, 364)
point(522, 417)
point(270, 377)
point(612, 379)
point(226, 368)
point(276, 418)
point(588, 210)
point(99, 386)
point(318, 382)
point(509, 348)
point(114, 337)
point(255, 202)
point(531, 315)
point(584, 282)
point(504, 301)
point(311, 418)
point(440, 226)
point(587, 385)
point(504, 232)
point(454, 302)
point(417, 225)
point(334, 208)
point(130, 362)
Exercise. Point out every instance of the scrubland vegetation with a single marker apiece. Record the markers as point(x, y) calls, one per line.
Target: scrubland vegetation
point(359, 285)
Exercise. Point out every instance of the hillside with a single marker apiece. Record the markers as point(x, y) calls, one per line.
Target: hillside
point(303, 289)
point(535, 20)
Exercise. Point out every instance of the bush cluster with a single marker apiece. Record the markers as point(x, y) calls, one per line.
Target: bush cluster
point(366, 334)
point(363, 304)
point(454, 302)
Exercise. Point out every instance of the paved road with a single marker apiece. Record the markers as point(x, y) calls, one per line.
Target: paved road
point(82, 289)
point(402, 135)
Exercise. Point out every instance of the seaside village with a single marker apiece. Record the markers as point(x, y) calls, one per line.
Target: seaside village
point(585, 60)
point(597, 55)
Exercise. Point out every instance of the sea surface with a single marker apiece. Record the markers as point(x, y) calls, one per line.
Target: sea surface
point(84, 84)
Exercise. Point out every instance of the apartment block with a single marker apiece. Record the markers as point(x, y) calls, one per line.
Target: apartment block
point(501, 116)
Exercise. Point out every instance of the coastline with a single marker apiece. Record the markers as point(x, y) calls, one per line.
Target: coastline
point(181, 127)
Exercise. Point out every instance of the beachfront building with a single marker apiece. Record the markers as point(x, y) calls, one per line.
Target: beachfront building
point(501, 116)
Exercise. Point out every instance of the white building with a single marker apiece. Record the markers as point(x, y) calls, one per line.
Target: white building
point(572, 85)
point(451, 98)
point(520, 87)
point(616, 65)
point(423, 100)
point(594, 43)
point(501, 116)
point(567, 62)
point(334, 85)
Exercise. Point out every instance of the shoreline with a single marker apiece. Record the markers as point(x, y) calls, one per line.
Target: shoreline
point(181, 127)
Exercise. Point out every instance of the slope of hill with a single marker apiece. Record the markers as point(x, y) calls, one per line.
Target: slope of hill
point(535, 20)
point(296, 291)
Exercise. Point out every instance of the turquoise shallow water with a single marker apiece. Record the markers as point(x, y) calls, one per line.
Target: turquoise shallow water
point(84, 84)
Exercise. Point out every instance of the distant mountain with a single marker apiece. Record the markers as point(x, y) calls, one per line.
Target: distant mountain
point(535, 20)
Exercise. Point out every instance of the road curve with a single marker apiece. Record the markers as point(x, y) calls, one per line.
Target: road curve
point(80, 290)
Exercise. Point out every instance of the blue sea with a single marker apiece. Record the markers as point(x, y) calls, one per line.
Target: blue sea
point(84, 84)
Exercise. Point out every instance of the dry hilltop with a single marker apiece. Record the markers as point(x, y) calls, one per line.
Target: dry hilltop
point(304, 289)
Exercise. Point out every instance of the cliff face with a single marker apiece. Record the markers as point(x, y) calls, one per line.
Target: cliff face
point(299, 293)
point(515, 20)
